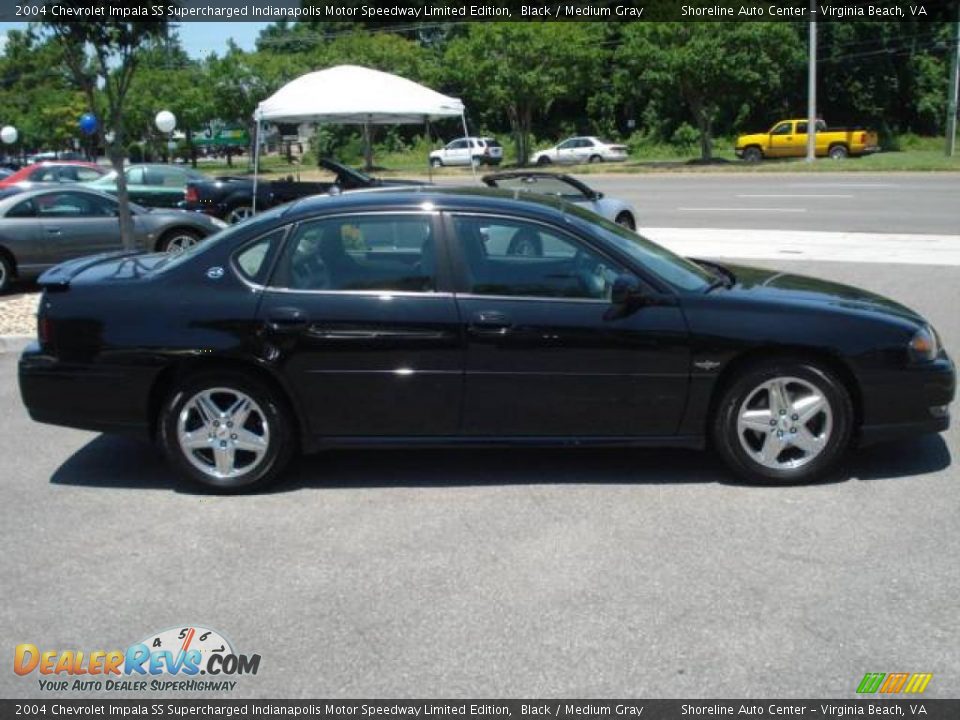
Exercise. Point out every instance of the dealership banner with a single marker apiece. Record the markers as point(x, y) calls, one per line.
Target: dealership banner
point(418, 11)
point(518, 709)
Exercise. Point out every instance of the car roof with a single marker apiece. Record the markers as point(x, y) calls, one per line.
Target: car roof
point(465, 198)
point(65, 187)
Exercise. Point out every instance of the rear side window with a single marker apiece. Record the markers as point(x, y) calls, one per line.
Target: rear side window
point(26, 209)
point(253, 261)
point(374, 252)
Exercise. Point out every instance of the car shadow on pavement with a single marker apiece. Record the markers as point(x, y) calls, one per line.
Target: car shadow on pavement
point(124, 462)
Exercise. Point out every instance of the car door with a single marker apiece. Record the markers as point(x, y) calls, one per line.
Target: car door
point(583, 150)
point(546, 353)
point(77, 223)
point(22, 234)
point(781, 140)
point(566, 151)
point(458, 153)
point(370, 339)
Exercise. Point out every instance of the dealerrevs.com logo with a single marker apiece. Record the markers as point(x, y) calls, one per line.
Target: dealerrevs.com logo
point(187, 659)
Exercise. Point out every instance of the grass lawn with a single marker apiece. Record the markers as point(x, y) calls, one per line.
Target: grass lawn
point(915, 155)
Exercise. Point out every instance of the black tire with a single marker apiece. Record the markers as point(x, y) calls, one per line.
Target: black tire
point(726, 435)
point(543, 160)
point(436, 162)
point(752, 154)
point(6, 273)
point(271, 411)
point(178, 239)
point(838, 152)
point(626, 220)
point(595, 159)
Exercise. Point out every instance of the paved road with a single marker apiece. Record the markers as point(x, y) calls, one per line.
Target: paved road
point(847, 202)
point(500, 573)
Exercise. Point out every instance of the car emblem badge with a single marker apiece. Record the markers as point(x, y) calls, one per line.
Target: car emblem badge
point(215, 273)
point(707, 365)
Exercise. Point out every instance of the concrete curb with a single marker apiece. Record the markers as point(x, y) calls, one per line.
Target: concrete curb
point(14, 343)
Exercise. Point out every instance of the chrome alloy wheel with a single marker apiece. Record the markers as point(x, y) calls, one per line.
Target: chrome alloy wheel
point(784, 423)
point(180, 242)
point(223, 432)
point(239, 214)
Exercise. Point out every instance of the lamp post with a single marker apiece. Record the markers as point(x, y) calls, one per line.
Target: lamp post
point(166, 121)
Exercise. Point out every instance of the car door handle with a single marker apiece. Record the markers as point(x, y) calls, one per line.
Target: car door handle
point(287, 320)
point(490, 322)
point(54, 230)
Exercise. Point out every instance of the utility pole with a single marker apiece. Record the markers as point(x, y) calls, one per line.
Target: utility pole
point(954, 81)
point(812, 87)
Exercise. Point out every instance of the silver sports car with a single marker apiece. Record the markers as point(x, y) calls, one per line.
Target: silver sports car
point(569, 188)
point(40, 228)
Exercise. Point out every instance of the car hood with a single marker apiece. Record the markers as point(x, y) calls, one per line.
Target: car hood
point(778, 286)
point(751, 139)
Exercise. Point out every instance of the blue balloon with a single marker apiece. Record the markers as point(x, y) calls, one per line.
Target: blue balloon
point(88, 123)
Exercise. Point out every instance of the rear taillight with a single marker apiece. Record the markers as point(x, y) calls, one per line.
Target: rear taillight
point(191, 194)
point(44, 330)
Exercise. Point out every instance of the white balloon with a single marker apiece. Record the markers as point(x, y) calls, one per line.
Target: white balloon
point(166, 121)
point(9, 134)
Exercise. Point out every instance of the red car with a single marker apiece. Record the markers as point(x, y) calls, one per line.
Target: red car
point(53, 172)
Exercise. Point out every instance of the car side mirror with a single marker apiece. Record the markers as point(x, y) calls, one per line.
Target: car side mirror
point(626, 290)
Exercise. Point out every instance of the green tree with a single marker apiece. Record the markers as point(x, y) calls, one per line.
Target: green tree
point(103, 58)
point(521, 69)
point(721, 71)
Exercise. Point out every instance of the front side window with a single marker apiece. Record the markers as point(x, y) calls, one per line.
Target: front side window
point(781, 129)
point(136, 176)
point(567, 145)
point(373, 252)
point(519, 258)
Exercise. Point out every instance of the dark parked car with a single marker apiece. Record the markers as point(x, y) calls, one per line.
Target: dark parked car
point(391, 318)
point(40, 228)
point(231, 198)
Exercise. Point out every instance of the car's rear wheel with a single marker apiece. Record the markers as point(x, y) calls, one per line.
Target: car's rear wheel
point(752, 154)
point(596, 159)
point(838, 152)
point(239, 214)
point(177, 241)
point(626, 220)
point(227, 431)
point(6, 273)
point(783, 422)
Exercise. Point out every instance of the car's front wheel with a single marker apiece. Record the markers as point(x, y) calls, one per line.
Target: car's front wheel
point(783, 422)
point(227, 431)
point(6, 273)
point(626, 220)
point(543, 160)
point(436, 162)
point(177, 241)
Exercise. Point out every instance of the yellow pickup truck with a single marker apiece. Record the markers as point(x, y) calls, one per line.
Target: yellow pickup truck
point(788, 138)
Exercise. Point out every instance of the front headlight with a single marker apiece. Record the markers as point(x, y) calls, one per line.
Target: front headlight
point(924, 345)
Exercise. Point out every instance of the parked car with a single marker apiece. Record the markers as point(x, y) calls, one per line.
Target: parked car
point(568, 188)
point(464, 151)
point(42, 227)
point(580, 150)
point(231, 198)
point(49, 173)
point(152, 185)
point(788, 138)
point(389, 318)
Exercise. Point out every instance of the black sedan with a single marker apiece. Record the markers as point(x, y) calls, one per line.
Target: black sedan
point(387, 318)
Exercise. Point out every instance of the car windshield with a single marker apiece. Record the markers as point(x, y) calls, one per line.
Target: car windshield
point(669, 267)
point(540, 184)
point(175, 260)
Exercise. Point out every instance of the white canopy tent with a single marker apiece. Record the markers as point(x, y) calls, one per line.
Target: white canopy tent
point(352, 95)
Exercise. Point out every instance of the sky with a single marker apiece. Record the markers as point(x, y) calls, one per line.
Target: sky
point(199, 38)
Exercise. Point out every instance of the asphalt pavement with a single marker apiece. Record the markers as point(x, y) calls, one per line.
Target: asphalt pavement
point(506, 573)
point(843, 201)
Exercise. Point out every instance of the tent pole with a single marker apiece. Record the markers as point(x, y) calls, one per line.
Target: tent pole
point(256, 165)
point(466, 134)
point(426, 124)
point(367, 150)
